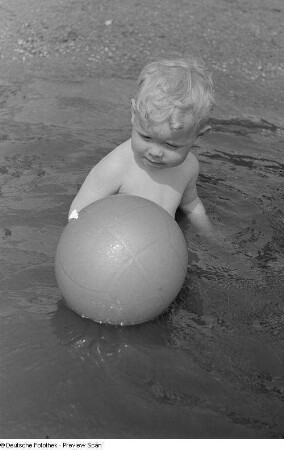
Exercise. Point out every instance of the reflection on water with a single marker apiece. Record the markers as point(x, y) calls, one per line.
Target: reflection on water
point(212, 366)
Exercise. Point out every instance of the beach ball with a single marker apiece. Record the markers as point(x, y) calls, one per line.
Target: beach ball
point(123, 261)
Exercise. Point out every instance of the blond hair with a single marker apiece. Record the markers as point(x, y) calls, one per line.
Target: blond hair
point(177, 90)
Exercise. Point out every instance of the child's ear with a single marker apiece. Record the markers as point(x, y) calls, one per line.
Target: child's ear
point(132, 110)
point(204, 130)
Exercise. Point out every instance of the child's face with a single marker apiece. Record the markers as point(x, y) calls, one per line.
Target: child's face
point(157, 146)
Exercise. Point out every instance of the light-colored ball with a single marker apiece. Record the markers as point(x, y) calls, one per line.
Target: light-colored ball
point(123, 261)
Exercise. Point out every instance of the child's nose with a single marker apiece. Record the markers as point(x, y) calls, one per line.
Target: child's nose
point(156, 151)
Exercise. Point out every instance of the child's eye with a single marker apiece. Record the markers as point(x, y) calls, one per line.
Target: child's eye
point(146, 138)
point(172, 146)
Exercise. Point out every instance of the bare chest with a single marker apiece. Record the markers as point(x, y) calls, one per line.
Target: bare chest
point(163, 186)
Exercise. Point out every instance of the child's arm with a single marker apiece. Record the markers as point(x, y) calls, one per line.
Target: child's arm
point(103, 180)
point(193, 208)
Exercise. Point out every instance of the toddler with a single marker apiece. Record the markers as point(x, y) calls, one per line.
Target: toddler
point(171, 109)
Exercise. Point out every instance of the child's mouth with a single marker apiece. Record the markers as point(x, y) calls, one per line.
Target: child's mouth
point(149, 162)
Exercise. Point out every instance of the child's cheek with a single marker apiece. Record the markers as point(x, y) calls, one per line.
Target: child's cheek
point(139, 144)
point(136, 144)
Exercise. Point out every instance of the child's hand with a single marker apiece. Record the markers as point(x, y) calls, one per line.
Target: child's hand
point(74, 215)
point(223, 255)
point(215, 251)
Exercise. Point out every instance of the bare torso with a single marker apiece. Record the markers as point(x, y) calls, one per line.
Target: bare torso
point(163, 186)
point(121, 171)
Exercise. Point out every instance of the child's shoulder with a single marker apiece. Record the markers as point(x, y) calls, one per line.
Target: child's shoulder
point(191, 164)
point(121, 152)
point(118, 155)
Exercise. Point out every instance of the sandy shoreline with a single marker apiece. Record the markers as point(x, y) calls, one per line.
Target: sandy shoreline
point(242, 43)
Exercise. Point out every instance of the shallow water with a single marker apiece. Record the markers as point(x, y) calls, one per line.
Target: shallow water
point(212, 366)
